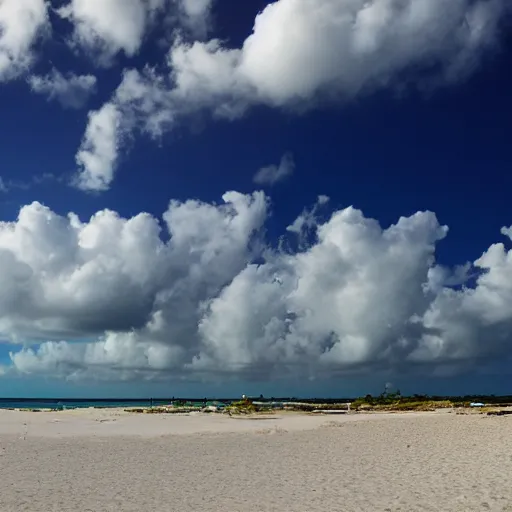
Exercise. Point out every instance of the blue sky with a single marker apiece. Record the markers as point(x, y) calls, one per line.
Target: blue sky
point(302, 282)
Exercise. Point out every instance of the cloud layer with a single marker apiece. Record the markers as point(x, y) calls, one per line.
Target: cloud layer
point(302, 53)
point(202, 294)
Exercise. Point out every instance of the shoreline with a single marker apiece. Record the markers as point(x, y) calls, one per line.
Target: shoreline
point(117, 422)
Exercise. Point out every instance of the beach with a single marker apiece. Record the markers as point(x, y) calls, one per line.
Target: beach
point(96, 460)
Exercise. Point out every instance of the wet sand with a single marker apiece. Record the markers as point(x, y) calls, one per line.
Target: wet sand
point(108, 460)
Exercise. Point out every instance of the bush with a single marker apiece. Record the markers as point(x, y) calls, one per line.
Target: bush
point(396, 402)
point(242, 407)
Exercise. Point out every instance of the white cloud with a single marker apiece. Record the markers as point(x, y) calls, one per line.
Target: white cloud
point(115, 279)
point(272, 174)
point(344, 302)
point(507, 232)
point(36, 179)
point(69, 90)
point(196, 15)
point(98, 152)
point(21, 24)
point(301, 49)
point(305, 52)
point(357, 298)
point(106, 27)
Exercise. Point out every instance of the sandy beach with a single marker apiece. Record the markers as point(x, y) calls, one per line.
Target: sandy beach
point(109, 460)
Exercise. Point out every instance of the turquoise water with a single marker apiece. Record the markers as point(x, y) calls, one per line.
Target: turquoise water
point(74, 404)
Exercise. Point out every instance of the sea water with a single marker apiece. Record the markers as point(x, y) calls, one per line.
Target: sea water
point(45, 403)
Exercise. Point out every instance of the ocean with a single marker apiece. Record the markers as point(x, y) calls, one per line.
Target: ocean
point(56, 403)
point(70, 403)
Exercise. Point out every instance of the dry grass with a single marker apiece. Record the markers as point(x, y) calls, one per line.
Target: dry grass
point(428, 405)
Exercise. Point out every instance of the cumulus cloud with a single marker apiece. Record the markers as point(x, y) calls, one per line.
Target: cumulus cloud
point(272, 174)
point(107, 27)
point(99, 150)
point(305, 52)
point(195, 15)
point(70, 90)
point(201, 293)
point(481, 316)
point(141, 102)
point(115, 279)
point(21, 24)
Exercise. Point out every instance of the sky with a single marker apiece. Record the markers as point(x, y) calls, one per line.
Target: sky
point(217, 197)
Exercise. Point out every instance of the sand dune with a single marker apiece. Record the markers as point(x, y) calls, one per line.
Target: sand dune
point(111, 461)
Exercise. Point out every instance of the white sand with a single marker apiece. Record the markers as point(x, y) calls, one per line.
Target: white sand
point(100, 460)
